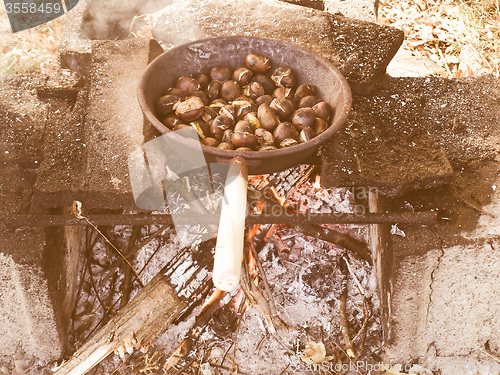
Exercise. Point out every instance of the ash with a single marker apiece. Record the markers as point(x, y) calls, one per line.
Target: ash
point(305, 284)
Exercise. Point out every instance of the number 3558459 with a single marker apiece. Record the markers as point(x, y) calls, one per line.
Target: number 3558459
point(25, 8)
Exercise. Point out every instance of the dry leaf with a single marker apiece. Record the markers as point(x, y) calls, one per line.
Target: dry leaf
point(315, 353)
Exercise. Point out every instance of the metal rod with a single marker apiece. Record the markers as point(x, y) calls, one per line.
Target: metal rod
point(282, 217)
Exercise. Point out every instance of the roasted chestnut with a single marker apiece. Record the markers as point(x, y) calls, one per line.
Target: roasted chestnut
point(190, 109)
point(209, 114)
point(252, 119)
point(212, 142)
point(213, 90)
point(220, 124)
point(201, 128)
point(267, 148)
point(230, 90)
point(225, 146)
point(319, 125)
point(308, 101)
point(217, 104)
point(243, 76)
point(264, 99)
point(243, 139)
point(256, 63)
point(284, 93)
point(283, 76)
point(200, 94)
point(188, 84)
point(244, 106)
point(303, 118)
point(165, 104)
point(267, 117)
point(266, 82)
point(283, 107)
point(220, 73)
point(265, 137)
point(322, 110)
point(244, 149)
point(304, 90)
point(171, 121)
point(243, 126)
point(229, 111)
point(283, 131)
point(306, 134)
point(203, 80)
point(226, 137)
point(253, 90)
point(288, 142)
point(177, 92)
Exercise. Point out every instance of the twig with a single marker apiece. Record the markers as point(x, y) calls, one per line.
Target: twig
point(127, 280)
point(238, 325)
point(77, 210)
point(362, 332)
point(487, 350)
point(138, 246)
point(263, 276)
point(256, 297)
point(343, 313)
point(337, 238)
point(286, 368)
point(356, 281)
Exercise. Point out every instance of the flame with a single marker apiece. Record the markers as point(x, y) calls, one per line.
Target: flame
point(317, 183)
point(280, 198)
point(214, 297)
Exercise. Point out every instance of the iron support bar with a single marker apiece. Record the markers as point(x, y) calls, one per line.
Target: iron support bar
point(281, 217)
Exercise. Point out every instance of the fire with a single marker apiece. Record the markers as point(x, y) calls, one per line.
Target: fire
point(317, 183)
point(280, 198)
point(214, 297)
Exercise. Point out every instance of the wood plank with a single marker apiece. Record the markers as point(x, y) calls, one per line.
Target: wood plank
point(135, 326)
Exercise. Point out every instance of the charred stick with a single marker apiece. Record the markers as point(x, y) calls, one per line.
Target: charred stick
point(255, 296)
point(343, 309)
point(337, 238)
point(272, 305)
point(362, 332)
point(109, 299)
point(127, 280)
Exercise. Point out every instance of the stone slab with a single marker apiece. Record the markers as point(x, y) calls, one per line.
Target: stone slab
point(362, 9)
point(23, 118)
point(405, 64)
point(86, 152)
point(385, 145)
point(315, 4)
point(26, 315)
point(360, 49)
point(446, 306)
point(458, 115)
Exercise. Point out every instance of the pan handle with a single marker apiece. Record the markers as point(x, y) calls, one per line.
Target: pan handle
point(230, 237)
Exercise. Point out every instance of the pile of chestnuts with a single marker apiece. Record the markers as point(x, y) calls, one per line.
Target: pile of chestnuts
point(246, 109)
